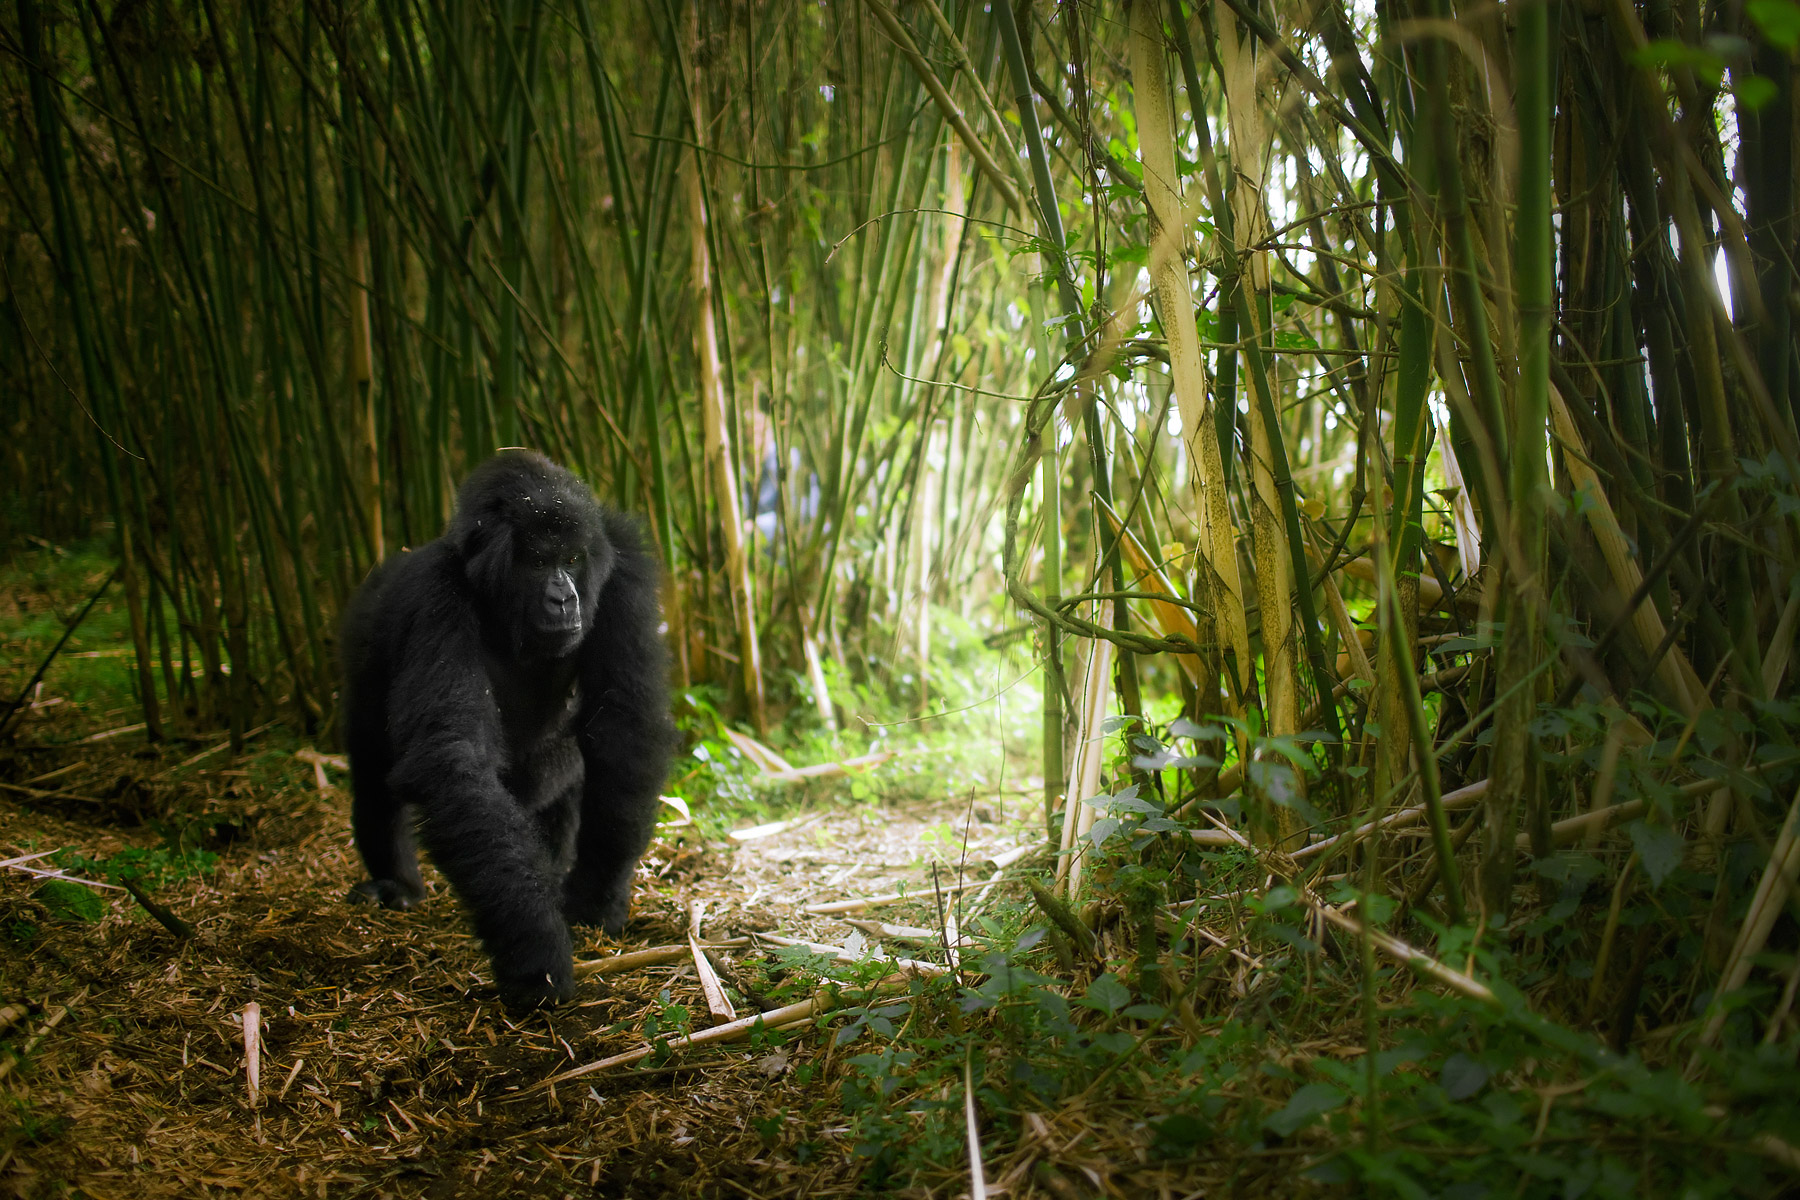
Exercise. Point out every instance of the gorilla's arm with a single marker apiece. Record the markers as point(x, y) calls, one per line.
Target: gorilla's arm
point(625, 733)
point(448, 750)
point(382, 823)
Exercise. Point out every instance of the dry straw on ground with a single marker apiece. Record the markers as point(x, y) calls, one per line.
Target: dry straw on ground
point(384, 1065)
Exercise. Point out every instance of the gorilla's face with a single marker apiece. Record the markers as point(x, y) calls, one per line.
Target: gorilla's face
point(556, 589)
point(534, 548)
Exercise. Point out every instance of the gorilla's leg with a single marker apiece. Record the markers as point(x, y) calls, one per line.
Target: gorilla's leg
point(384, 835)
point(626, 760)
point(488, 847)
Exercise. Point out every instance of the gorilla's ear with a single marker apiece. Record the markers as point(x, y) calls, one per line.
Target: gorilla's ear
point(486, 549)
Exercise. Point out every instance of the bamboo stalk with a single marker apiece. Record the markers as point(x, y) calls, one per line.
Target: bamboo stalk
point(1221, 591)
point(984, 160)
point(720, 459)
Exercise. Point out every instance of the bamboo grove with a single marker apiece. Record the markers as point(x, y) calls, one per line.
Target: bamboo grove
point(1405, 391)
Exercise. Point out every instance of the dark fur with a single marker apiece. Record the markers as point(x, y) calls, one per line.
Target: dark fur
point(528, 752)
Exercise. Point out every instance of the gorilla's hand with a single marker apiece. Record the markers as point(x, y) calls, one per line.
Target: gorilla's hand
point(536, 973)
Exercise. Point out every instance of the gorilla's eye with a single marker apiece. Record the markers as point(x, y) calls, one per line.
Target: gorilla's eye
point(574, 559)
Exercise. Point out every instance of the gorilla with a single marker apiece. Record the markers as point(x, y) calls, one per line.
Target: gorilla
point(505, 693)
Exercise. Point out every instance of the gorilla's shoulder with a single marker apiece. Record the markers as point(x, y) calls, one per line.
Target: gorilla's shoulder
point(625, 531)
point(405, 570)
point(402, 587)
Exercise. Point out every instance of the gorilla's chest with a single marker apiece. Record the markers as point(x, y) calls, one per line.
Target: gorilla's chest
point(537, 703)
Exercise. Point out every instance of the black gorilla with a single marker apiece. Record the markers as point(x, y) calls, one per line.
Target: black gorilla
point(505, 688)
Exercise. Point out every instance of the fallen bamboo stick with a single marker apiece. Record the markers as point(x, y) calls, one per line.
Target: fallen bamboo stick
point(653, 956)
point(253, 1052)
point(717, 1002)
point(916, 934)
point(59, 873)
point(319, 762)
point(1400, 952)
point(791, 1014)
point(209, 751)
point(771, 828)
point(907, 966)
point(766, 759)
point(164, 915)
point(830, 770)
point(1463, 797)
point(843, 906)
point(1572, 828)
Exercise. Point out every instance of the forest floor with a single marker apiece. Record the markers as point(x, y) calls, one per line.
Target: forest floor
point(387, 1066)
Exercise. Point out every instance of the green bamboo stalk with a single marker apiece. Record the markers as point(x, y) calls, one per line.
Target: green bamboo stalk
point(1055, 770)
point(1399, 649)
point(1534, 264)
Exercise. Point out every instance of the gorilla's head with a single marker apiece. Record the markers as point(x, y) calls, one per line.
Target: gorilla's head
point(534, 548)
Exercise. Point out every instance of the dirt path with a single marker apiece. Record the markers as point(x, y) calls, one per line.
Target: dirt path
point(387, 1067)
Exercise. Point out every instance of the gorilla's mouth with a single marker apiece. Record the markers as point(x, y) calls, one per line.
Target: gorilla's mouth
point(560, 621)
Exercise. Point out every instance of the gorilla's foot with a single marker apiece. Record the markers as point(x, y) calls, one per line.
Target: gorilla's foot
point(389, 893)
point(608, 911)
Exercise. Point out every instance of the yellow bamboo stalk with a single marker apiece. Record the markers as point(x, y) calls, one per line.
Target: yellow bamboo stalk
point(1169, 241)
point(1269, 544)
point(1340, 618)
point(1772, 891)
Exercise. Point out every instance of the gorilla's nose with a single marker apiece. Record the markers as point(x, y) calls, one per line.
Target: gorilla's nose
point(561, 600)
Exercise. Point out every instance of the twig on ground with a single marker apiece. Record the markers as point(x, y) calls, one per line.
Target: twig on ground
point(1398, 950)
point(319, 762)
point(766, 759)
point(915, 934)
point(972, 1123)
point(19, 864)
point(771, 828)
point(39, 794)
point(717, 1002)
point(108, 734)
point(164, 917)
point(1065, 919)
point(68, 632)
point(210, 751)
point(831, 770)
point(31, 1043)
point(289, 1081)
